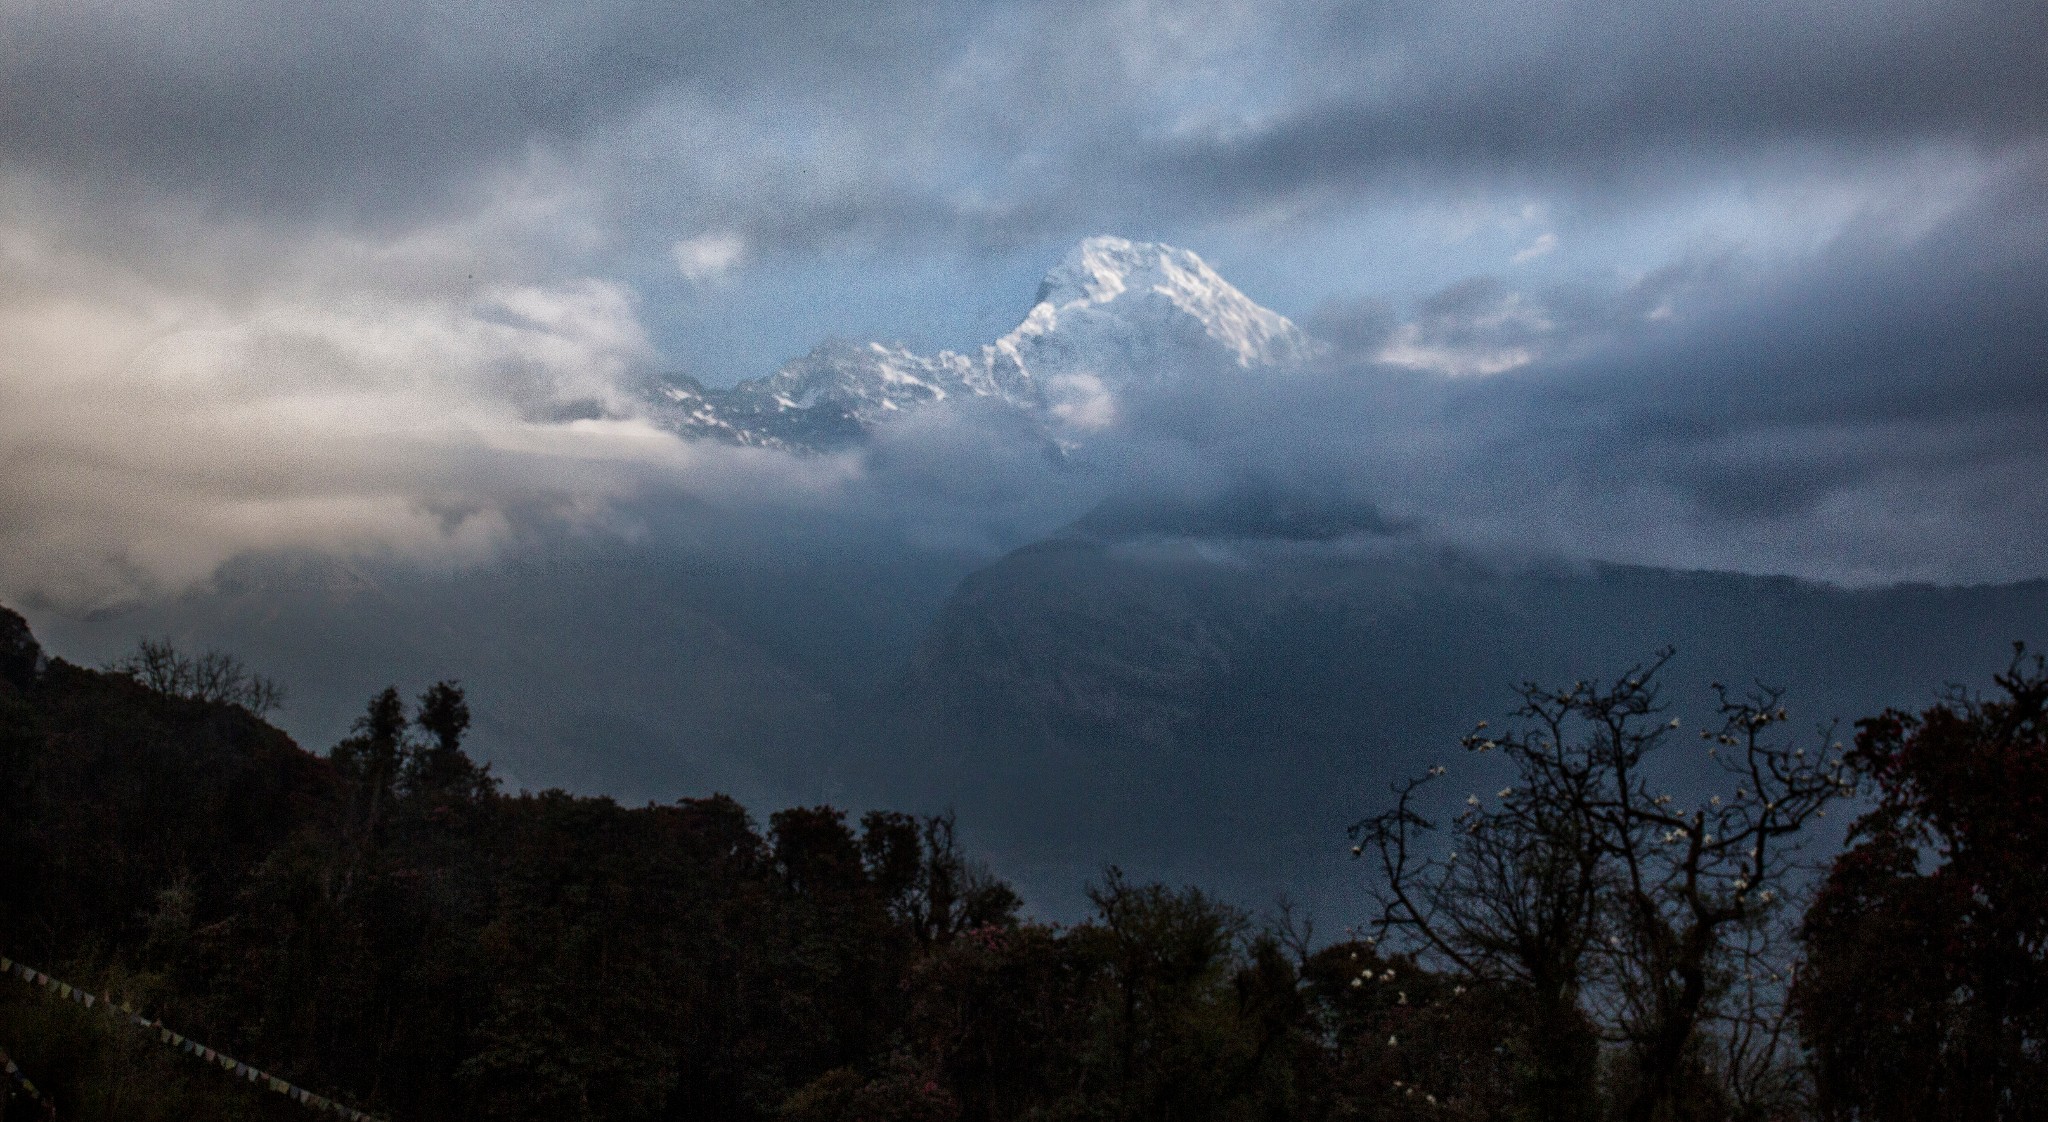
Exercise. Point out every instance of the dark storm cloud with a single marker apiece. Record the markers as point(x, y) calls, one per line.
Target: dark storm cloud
point(1946, 327)
point(983, 126)
point(239, 231)
point(907, 124)
point(1878, 412)
point(366, 105)
point(1590, 92)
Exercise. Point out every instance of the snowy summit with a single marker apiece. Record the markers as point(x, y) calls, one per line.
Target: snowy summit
point(1112, 313)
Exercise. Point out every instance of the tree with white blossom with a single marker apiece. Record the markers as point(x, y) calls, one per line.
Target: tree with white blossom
point(1625, 914)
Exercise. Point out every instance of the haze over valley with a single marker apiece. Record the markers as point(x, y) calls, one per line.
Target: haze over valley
point(1208, 410)
point(1109, 587)
point(911, 561)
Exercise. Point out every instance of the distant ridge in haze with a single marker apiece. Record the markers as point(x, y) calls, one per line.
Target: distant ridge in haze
point(1198, 650)
point(1211, 692)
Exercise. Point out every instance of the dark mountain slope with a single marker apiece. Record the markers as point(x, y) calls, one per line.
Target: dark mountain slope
point(699, 659)
point(111, 792)
point(1219, 709)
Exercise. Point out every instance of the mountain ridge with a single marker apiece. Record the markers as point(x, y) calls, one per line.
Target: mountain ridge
point(1111, 313)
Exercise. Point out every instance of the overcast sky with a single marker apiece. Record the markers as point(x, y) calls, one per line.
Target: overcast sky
point(1754, 284)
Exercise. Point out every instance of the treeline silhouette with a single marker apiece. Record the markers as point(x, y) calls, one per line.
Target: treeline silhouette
point(385, 926)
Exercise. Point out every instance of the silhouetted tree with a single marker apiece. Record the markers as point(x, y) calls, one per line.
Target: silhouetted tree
point(1589, 891)
point(1399, 1041)
point(213, 676)
point(932, 887)
point(1166, 1041)
point(20, 655)
point(1925, 991)
point(438, 767)
point(369, 758)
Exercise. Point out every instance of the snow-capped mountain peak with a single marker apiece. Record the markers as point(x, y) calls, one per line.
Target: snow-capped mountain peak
point(1111, 314)
point(1145, 283)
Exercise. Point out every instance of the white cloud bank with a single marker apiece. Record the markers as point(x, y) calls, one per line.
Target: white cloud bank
point(709, 257)
point(152, 428)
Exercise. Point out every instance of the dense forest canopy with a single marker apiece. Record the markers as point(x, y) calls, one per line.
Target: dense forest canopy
point(384, 927)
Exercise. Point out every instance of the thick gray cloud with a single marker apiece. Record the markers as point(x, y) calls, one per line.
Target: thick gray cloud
point(904, 122)
point(1585, 93)
point(1748, 285)
point(1878, 412)
point(363, 106)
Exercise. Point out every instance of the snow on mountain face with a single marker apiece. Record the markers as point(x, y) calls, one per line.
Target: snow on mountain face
point(1111, 314)
point(1113, 287)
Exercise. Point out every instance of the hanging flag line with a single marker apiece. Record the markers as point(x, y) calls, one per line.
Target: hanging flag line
point(27, 1088)
point(185, 1044)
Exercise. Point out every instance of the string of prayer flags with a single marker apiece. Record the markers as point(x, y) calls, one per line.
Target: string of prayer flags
point(21, 1080)
point(182, 1043)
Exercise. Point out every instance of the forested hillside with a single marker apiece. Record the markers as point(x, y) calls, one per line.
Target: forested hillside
point(382, 927)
